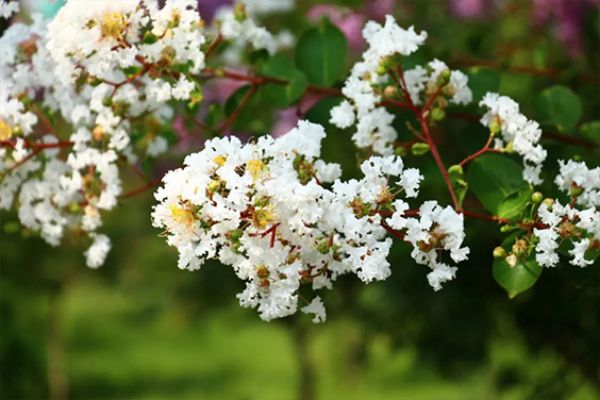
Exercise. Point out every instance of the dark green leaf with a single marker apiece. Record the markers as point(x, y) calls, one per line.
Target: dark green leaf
point(283, 94)
point(518, 278)
point(321, 53)
point(494, 177)
point(482, 80)
point(591, 130)
point(559, 106)
point(515, 203)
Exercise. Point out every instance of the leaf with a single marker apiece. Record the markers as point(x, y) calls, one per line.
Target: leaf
point(482, 80)
point(515, 203)
point(591, 130)
point(516, 279)
point(320, 113)
point(321, 53)
point(560, 106)
point(493, 178)
point(282, 67)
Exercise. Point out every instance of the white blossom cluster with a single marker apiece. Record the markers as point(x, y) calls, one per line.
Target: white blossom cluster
point(584, 183)
point(422, 83)
point(365, 87)
point(567, 223)
point(238, 24)
point(436, 230)
point(8, 8)
point(100, 66)
point(281, 217)
point(518, 133)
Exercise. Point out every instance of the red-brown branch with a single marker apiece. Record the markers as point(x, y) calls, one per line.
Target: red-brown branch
point(240, 107)
point(150, 185)
point(485, 149)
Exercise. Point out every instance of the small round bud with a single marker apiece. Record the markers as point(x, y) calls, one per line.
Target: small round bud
point(548, 202)
point(509, 147)
point(418, 149)
point(390, 91)
point(400, 151)
point(107, 101)
point(444, 77)
point(495, 126)
point(381, 69)
point(506, 228)
point(537, 197)
point(437, 114)
point(74, 208)
point(456, 170)
point(499, 252)
point(239, 12)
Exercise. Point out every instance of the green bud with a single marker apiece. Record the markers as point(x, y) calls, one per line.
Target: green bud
point(537, 197)
point(323, 246)
point(236, 234)
point(495, 126)
point(418, 149)
point(400, 151)
point(576, 190)
point(507, 228)
point(437, 114)
point(548, 202)
point(107, 101)
point(74, 208)
point(499, 252)
point(456, 170)
point(509, 147)
point(381, 69)
point(444, 78)
point(239, 12)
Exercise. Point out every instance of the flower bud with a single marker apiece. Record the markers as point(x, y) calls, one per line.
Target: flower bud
point(499, 252)
point(381, 69)
point(456, 170)
point(239, 12)
point(400, 151)
point(495, 126)
point(418, 149)
point(437, 114)
point(548, 202)
point(537, 197)
point(390, 91)
point(444, 77)
point(576, 190)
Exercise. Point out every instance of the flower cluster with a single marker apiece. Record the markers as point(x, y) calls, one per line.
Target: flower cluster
point(437, 229)
point(567, 224)
point(281, 217)
point(379, 78)
point(518, 133)
point(106, 69)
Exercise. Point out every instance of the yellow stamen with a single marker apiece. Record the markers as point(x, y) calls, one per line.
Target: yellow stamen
point(220, 160)
point(261, 217)
point(255, 167)
point(113, 24)
point(5, 130)
point(182, 215)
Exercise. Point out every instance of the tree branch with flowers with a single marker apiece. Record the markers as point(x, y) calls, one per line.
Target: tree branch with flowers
point(95, 91)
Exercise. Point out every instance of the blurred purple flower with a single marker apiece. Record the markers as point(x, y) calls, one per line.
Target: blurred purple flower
point(208, 8)
point(568, 16)
point(467, 8)
point(350, 23)
point(378, 9)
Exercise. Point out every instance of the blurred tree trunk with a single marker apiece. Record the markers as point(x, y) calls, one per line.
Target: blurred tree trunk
point(58, 385)
point(306, 387)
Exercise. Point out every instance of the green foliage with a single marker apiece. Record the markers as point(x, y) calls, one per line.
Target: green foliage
point(321, 53)
point(560, 106)
point(516, 279)
point(495, 178)
point(282, 67)
point(482, 80)
point(515, 203)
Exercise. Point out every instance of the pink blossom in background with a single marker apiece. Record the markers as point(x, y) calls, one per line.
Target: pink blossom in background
point(350, 23)
point(287, 119)
point(208, 8)
point(378, 9)
point(568, 16)
point(467, 8)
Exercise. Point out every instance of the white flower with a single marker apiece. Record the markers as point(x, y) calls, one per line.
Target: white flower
point(316, 308)
point(97, 252)
point(8, 8)
point(342, 115)
point(516, 129)
point(576, 175)
point(391, 39)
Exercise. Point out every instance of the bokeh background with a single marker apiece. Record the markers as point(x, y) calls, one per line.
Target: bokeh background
point(139, 328)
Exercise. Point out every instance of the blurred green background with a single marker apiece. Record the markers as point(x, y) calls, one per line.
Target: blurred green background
point(139, 328)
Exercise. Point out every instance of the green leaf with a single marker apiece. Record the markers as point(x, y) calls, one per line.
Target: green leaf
point(321, 53)
point(560, 106)
point(493, 178)
point(482, 80)
point(282, 67)
point(591, 130)
point(516, 279)
point(515, 203)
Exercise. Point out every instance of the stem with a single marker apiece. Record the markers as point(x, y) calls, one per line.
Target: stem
point(438, 160)
point(58, 385)
point(485, 149)
point(236, 113)
point(152, 184)
point(306, 387)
